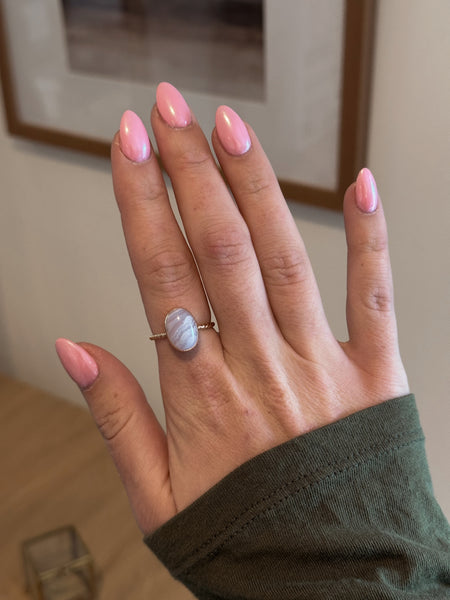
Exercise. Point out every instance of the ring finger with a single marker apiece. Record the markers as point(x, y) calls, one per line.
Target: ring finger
point(163, 264)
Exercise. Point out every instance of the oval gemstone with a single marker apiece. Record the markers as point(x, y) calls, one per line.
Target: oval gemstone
point(181, 329)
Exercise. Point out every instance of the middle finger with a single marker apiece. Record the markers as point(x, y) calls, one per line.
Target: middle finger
point(216, 231)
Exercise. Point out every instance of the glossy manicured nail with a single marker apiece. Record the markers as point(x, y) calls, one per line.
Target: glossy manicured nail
point(134, 141)
point(77, 362)
point(232, 131)
point(172, 106)
point(366, 191)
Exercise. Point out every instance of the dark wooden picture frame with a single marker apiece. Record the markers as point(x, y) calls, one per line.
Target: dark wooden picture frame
point(358, 36)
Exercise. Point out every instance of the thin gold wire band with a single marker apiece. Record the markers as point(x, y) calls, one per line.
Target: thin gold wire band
point(163, 335)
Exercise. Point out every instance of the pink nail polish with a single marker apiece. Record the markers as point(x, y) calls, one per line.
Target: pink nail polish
point(232, 131)
point(78, 363)
point(134, 141)
point(366, 191)
point(172, 106)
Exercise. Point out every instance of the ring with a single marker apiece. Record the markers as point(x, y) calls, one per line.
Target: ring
point(181, 329)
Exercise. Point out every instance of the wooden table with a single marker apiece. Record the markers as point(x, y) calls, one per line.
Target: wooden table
point(54, 471)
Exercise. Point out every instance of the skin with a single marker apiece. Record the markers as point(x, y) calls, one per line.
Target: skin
point(274, 371)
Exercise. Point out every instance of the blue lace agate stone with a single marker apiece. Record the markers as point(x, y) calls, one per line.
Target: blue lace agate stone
point(181, 329)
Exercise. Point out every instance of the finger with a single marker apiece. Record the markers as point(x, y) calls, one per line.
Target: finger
point(216, 231)
point(129, 427)
point(370, 297)
point(284, 263)
point(162, 261)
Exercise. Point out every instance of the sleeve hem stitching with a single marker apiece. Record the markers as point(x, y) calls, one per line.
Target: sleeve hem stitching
point(178, 570)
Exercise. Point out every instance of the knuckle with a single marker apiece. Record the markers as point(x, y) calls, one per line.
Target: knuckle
point(286, 268)
point(113, 422)
point(276, 395)
point(138, 193)
point(194, 159)
point(153, 192)
point(378, 299)
point(227, 246)
point(257, 185)
point(170, 272)
point(207, 377)
point(215, 393)
point(371, 245)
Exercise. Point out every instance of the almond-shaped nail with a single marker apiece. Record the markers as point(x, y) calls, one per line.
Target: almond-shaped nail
point(134, 141)
point(232, 131)
point(366, 191)
point(78, 363)
point(172, 106)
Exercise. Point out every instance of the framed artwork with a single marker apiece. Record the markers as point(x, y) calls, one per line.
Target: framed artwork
point(298, 70)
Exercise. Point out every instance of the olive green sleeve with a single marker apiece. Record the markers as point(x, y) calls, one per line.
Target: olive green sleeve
point(344, 512)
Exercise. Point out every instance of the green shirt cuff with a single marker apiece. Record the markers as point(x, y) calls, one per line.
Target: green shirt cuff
point(326, 505)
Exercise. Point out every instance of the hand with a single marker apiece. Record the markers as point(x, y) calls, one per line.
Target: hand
point(274, 370)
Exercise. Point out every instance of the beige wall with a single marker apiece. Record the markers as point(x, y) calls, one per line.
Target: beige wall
point(63, 264)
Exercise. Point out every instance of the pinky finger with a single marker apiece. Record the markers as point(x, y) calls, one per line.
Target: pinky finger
point(370, 297)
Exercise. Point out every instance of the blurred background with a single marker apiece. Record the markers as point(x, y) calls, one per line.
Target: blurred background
point(214, 46)
point(65, 272)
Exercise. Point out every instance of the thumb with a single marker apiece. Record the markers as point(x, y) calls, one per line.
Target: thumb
point(135, 439)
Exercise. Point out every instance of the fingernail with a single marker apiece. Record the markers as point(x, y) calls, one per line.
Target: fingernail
point(134, 141)
point(232, 131)
point(366, 191)
point(172, 106)
point(77, 362)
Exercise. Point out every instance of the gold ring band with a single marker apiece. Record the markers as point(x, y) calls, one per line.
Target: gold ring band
point(163, 335)
point(181, 329)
